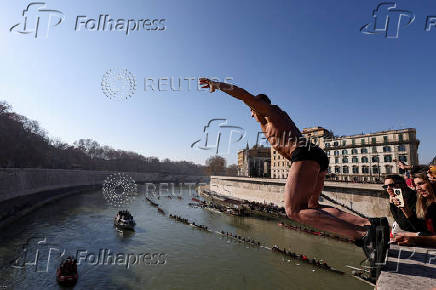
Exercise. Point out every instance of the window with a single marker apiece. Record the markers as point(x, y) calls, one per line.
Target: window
point(385, 139)
point(388, 169)
point(375, 169)
point(336, 160)
point(335, 143)
point(328, 153)
point(336, 153)
point(355, 169)
point(337, 169)
point(355, 159)
point(344, 152)
point(327, 145)
point(402, 158)
point(364, 159)
point(353, 141)
point(388, 158)
point(364, 150)
point(386, 148)
point(374, 140)
point(330, 170)
point(365, 169)
point(274, 152)
point(345, 159)
point(362, 141)
point(354, 151)
point(375, 159)
point(344, 142)
point(402, 148)
point(400, 137)
point(374, 149)
point(345, 169)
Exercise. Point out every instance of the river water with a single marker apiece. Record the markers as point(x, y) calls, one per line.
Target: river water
point(178, 256)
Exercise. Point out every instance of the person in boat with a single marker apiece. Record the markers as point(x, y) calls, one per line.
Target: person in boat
point(307, 173)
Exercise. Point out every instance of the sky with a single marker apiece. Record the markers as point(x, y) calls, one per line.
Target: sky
point(309, 57)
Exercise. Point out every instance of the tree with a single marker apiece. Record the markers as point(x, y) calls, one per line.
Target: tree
point(24, 144)
point(216, 165)
point(232, 170)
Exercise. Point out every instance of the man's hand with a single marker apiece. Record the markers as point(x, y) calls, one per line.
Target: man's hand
point(208, 84)
point(401, 164)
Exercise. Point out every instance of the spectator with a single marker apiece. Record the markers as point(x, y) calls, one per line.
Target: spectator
point(431, 173)
point(403, 240)
point(402, 215)
point(426, 201)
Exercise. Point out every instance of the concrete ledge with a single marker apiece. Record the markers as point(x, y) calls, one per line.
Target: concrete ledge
point(367, 199)
point(409, 268)
point(16, 182)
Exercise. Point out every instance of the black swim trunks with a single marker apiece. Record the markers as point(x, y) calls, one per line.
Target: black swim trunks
point(313, 153)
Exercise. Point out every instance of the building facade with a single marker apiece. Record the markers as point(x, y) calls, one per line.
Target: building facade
point(358, 158)
point(254, 162)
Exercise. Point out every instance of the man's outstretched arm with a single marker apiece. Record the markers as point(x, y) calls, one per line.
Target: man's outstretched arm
point(238, 93)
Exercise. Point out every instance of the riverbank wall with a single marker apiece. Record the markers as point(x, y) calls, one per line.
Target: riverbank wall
point(367, 199)
point(23, 190)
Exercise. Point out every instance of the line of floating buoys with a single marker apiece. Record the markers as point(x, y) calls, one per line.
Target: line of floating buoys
point(187, 222)
point(180, 219)
point(315, 233)
point(240, 238)
point(318, 263)
point(152, 202)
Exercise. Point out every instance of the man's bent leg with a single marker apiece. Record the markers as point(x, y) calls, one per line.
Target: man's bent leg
point(314, 198)
point(300, 185)
point(347, 217)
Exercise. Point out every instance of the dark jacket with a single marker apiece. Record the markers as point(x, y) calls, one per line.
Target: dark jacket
point(411, 224)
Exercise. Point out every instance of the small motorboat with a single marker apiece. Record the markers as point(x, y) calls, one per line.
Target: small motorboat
point(66, 274)
point(124, 221)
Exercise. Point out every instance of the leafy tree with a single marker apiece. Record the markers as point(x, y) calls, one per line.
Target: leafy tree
point(216, 165)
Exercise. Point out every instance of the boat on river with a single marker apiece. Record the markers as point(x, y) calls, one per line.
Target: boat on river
point(66, 274)
point(124, 221)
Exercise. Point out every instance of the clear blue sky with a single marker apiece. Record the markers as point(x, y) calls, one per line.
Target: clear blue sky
point(308, 56)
